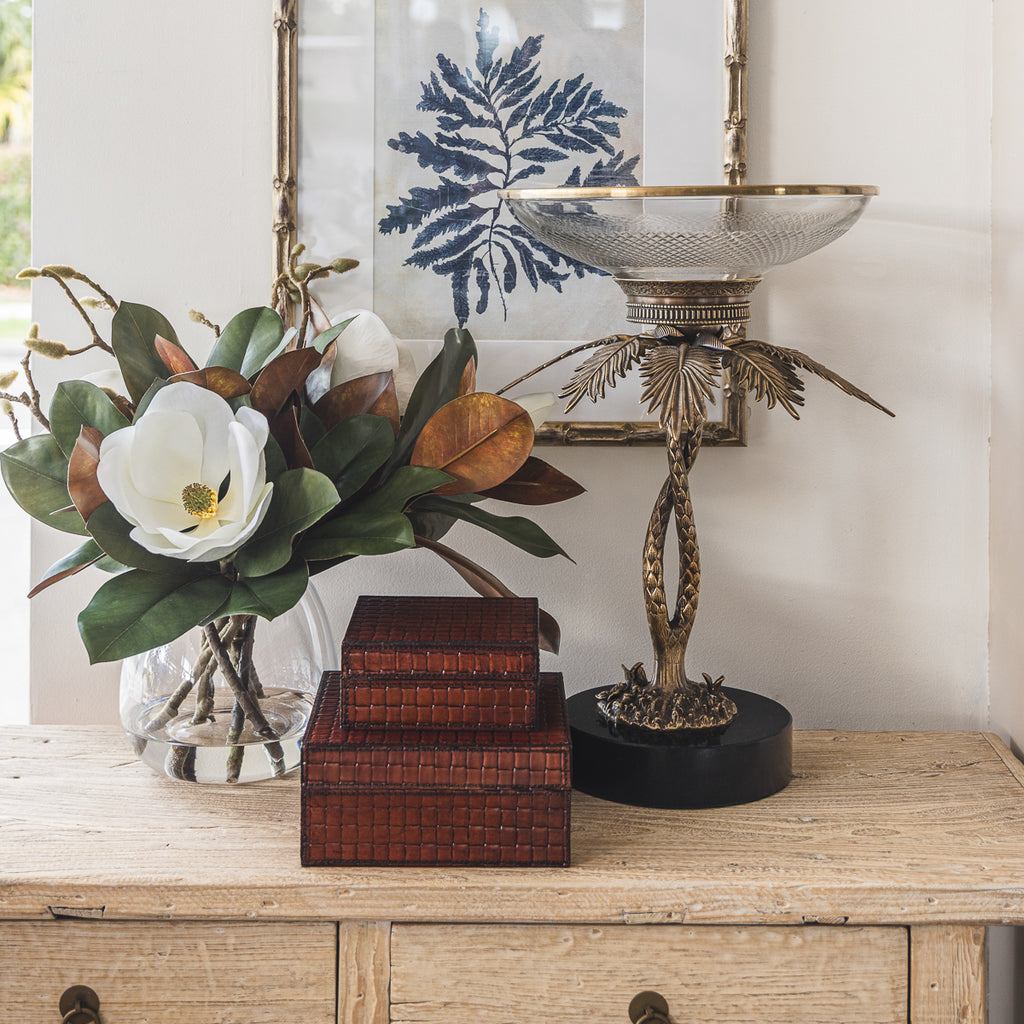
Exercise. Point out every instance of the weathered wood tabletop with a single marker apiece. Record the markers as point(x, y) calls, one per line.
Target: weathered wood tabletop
point(876, 828)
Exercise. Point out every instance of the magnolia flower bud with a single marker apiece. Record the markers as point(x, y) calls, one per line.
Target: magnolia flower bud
point(7, 379)
point(28, 274)
point(49, 349)
point(64, 272)
point(6, 408)
point(367, 346)
point(340, 266)
point(92, 302)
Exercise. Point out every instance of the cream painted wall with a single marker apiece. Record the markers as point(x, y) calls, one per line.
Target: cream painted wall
point(844, 556)
point(1006, 544)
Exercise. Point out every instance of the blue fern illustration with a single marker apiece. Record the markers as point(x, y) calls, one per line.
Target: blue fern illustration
point(497, 127)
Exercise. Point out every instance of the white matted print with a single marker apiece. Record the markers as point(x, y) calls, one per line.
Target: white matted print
point(406, 105)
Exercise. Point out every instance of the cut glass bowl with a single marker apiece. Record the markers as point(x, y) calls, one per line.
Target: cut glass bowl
point(688, 233)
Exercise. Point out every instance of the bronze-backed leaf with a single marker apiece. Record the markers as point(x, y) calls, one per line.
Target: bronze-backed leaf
point(319, 319)
point(467, 385)
point(83, 486)
point(218, 379)
point(479, 439)
point(764, 376)
point(353, 398)
point(535, 483)
point(318, 383)
point(614, 358)
point(175, 358)
point(486, 584)
point(792, 357)
point(88, 553)
point(282, 377)
point(123, 405)
point(387, 405)
point(285, 430)
point(679, 380)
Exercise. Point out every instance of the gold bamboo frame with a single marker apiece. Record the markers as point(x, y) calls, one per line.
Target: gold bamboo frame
point(732, 431)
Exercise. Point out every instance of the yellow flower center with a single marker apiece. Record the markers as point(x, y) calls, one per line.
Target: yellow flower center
point(199, 500)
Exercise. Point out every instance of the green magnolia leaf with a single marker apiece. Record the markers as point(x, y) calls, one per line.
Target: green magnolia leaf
point(434, 525)
point(277, 464)
point(354, 534)
point(143, 404)
point(248, 340)
point(133, 334)
point(437, 386)
point(284, 344)
point(108, 564)
point(310, 427)
point(516, 530)
point(112, 532)
point(301, 498)
point(352, 451)
point(268, 596)
point(430, 525)
point(36, 473)
point(81, 558)
point(138, 610)
point(77, 404)
point(324, 338)
point(407, 483)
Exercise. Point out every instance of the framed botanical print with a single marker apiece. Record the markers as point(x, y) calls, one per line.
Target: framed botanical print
point(399, 121)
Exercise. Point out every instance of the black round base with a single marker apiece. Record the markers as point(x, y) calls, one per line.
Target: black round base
point(748, 760)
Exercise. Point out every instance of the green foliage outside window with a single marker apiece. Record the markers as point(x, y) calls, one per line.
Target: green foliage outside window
point(15, 128)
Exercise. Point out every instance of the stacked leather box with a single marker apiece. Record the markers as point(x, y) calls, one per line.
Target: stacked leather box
point(439, 742)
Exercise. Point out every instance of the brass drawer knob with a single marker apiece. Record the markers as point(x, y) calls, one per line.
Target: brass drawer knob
point(80, 1005)
point(649, 1008)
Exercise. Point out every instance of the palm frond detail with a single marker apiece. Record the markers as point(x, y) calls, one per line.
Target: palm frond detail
point(792, 358)
point(615, 357)
point(765, 375)
point(679, 381)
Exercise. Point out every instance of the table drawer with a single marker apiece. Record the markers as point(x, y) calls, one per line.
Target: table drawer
point(188, 972)
point(461, 974)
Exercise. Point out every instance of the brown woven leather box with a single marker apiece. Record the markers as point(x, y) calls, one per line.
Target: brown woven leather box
point(441, 663)
point(436, 797)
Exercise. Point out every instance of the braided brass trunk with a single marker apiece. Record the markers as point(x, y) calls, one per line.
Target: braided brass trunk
point(670, 635)
point(673, 701)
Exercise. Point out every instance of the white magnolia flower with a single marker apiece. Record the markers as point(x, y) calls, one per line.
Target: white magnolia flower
point(165, 472)
point(366, 346)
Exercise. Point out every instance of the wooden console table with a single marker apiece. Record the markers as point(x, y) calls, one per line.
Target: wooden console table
point(858, 894)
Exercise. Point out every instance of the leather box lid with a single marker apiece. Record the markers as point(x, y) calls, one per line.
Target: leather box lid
point(442, 638)
point(335, 755)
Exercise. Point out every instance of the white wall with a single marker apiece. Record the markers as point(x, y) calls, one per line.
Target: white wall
point(152, 174)
point(844, 556)
point(1006, 628)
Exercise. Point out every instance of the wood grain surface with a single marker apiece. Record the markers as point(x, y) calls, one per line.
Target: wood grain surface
point(447, 974)
point(876, 828)
point(364, 972)
point(189, 973)
point(947, 975)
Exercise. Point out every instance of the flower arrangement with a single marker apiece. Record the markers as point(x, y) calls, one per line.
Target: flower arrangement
point(211, 494)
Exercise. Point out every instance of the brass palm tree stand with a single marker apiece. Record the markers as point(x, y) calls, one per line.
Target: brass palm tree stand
point(688, 260)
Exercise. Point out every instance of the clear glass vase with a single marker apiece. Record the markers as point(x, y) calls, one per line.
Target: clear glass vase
point(228, 703)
